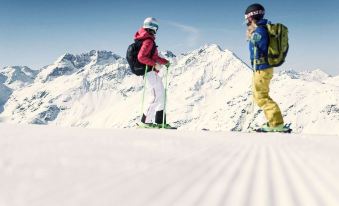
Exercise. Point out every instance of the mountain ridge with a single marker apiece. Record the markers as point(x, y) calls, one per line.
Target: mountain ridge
point(208, 88)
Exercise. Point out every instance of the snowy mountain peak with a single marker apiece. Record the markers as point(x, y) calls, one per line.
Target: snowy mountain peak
point(17, 76)
point(214, 51)
point(167, 54)
point(65, 57)
point(93, 56)
point(68, 64)
point(105, 57)
point(65, 65)
point(206, 49)
point(212, 47)
point(18, 69)
point(214, 57)
point(290, 73)
point(314, 75)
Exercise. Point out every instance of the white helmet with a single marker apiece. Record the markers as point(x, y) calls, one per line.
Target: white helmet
point(151, 23)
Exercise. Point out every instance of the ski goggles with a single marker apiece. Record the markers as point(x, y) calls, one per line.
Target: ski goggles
point(152, 26)
point(254, 13)
point(249, 16)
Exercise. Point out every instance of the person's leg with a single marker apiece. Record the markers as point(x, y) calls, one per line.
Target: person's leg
point(159, 117)
point(157, 94)
point(160, 97)
point(261, 82)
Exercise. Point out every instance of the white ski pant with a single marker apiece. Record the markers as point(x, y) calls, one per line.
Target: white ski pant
point(156, 90)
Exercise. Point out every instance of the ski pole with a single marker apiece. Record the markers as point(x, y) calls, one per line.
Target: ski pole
point(143, 95)
point(165, 100)
point(254, 70)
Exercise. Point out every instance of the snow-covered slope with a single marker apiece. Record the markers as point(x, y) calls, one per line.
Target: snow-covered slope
point(332, 80)
point(208, 88)
point(51, 166)
point(17, 77)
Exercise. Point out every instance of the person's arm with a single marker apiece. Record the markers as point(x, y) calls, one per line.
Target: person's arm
point(262, 43)
point(159, 59)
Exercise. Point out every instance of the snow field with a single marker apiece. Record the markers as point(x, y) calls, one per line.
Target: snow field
point(47, 165)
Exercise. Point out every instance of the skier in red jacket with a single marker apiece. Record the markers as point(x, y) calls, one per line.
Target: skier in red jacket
point(153, 115)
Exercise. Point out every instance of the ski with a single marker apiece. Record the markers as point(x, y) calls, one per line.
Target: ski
point(260, 130)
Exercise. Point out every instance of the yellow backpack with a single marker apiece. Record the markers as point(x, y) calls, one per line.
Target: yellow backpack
point(278, 44)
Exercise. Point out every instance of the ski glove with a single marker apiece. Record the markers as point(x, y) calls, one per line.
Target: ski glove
point(168, 65)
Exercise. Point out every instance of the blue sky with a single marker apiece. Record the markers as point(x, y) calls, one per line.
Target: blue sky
point(36, 32)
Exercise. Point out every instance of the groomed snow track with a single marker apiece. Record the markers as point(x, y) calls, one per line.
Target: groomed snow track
point(50, 166)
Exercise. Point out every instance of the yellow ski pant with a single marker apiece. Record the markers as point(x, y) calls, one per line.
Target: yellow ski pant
point(261, 88)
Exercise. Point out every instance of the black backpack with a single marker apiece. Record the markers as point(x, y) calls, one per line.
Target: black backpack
point(137, 68)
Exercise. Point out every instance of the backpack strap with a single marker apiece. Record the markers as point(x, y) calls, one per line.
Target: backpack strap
point(153, 49)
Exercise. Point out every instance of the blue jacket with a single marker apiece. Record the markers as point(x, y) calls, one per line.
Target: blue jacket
point(260, 40)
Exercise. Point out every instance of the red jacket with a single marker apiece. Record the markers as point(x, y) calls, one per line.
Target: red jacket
point(146, 48)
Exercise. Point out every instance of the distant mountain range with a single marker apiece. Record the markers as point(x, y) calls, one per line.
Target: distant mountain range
point(208, 88)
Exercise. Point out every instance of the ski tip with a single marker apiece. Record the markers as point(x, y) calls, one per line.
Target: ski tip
point(288, 125)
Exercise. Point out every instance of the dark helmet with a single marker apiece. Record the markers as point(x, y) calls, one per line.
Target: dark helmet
point(254, 11)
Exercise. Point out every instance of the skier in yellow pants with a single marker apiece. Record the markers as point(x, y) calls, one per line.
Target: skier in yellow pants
point(258, 44)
